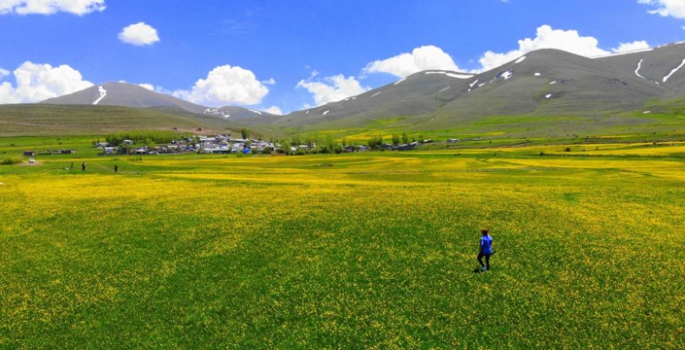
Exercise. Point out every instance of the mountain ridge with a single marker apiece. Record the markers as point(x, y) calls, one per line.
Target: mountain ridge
point(547, 82)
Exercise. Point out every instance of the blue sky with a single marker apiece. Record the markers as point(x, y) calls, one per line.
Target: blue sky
point(290, 55)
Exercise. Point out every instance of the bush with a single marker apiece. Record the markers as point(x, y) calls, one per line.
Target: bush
point(10, 161)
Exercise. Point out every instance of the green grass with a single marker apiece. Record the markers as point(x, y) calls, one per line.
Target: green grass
point(372, 250)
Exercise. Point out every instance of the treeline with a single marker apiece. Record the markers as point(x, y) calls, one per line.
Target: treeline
point(145, 136)
point(376, 142)
point(316, 144)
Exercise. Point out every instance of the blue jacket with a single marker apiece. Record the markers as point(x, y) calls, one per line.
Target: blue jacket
point(486, 245)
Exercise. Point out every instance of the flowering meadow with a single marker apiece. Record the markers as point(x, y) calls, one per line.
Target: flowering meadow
point(368, 251)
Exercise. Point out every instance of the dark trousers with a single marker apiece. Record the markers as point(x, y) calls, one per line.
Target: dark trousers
point(487, 260)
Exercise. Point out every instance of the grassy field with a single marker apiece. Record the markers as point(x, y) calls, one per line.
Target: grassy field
point(370, 250)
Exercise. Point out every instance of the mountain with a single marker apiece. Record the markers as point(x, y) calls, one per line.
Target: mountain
point(554, 88)
point(545, 82)
point(124, 95)
point(128, 95)
point(663, 66)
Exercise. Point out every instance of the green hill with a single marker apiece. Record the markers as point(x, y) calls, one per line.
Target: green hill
point(36, 119)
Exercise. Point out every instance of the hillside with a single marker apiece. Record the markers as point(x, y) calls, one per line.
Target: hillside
point(662, 66)
point(36, 119)
point(542, 83)
point(128, 95)
point(123, 95)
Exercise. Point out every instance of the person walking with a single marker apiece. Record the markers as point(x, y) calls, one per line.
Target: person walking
point(116, 169)
point(83, 166)
point(485, 249)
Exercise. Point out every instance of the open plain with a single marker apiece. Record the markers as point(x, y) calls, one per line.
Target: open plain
point(363, 250)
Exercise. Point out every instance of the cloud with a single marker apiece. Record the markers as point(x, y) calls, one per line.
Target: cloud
point(338, 88)
point(139, 34)
point(38, 82)
point(420, 59)
point(546, 38)
point(628, 47)
point(666, 8)
point(49, 7)
point(226, 85)
point(274, 110)
point(271, 81)
point(147, 86)
point(4, 73)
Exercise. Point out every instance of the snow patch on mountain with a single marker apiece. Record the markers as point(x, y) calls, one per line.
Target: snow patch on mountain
point(520, 60)
point(326, 112)
point(401, 80)
point(537, 74)
point(548, 96)
point(552, 83)
point(447, 88)
point(674, 71)
point(103, 94)
point(473, 84)
point(453, 75)
point(256, 112)
point(639, 66)
point(376, 94)
point(506, 75)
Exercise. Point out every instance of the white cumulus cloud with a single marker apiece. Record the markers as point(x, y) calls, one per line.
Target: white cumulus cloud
point(546, 38)
point(49, 7)
point(226, 85)
point(274, 110)
point(139, 34)
point(4, 73)
point(628, 47)
point(147, 86)
point(666, 8)
point(335, 88)
point(38, 82)
point(420, 59)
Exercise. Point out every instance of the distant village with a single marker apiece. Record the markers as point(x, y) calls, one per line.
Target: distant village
point(225, 144)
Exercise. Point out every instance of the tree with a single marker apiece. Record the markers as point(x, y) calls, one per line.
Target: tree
point(310, 141)
point(330, 146)
point(395, 140)
point(375, 142)
point(285, 146)
point(296, 140)
point(420, 138)
point(245, 133)
point(405, 138)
